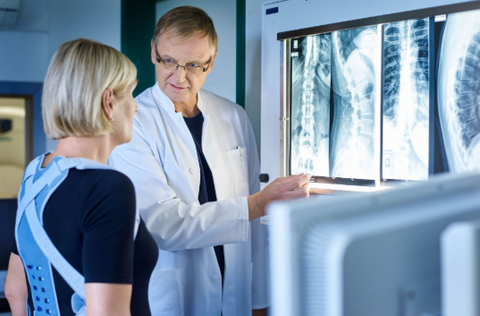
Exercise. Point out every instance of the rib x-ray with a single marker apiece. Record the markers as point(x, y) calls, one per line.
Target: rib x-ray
point(352, 142)
point(311, 77)
point(406, 99)
point(459, 90)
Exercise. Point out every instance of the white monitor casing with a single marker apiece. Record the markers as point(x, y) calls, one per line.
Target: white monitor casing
point(375, 254)
point(460, 244)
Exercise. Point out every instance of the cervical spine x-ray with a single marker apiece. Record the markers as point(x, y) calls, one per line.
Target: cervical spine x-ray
point(406, 55)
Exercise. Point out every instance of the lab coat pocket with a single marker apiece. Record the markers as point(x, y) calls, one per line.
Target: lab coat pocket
point(165, 293)
point(238, 162)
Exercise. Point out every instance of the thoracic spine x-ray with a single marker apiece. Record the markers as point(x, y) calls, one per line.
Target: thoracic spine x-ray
point(311, 77)
point(406, 99)
point(459, 90)
point(354, 86)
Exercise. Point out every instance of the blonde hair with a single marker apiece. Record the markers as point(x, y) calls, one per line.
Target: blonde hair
point(185, 22)
point(78, 74)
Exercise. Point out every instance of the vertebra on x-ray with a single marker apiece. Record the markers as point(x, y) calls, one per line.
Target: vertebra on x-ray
point(406, 99)
point(459, 90)
point(353, 78)
point(310, 116)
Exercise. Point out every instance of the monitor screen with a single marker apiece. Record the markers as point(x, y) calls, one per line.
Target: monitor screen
point(375, 254)
point(385, 98)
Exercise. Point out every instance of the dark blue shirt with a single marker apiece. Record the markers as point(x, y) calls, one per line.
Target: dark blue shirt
point(206, 193)
point(87, 218)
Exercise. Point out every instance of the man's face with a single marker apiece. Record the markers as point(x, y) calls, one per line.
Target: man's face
point(182, 85)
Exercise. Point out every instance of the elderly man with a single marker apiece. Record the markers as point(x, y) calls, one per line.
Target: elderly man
point(193, 161)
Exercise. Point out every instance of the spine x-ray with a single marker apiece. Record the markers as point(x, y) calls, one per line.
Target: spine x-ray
point(352, 145)
point(311, 77)
point(337, 79)
point(459, 90)
point(406, 101)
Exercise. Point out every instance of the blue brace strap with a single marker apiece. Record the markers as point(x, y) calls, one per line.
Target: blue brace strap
point(32, 209)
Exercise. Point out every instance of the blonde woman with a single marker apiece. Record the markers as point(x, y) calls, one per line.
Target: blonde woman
point(77, 225)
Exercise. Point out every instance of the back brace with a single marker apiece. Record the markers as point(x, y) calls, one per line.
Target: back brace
point(35, 247)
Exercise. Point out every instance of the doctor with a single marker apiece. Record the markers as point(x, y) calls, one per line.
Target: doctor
point(193, 161)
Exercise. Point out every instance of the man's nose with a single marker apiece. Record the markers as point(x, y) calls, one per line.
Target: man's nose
point(180, 73)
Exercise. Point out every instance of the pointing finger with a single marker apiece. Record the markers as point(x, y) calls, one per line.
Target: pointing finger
point(295, 182)
point(298, 193)
point(321, 191)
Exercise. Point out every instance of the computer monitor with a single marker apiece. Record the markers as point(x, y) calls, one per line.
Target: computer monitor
point(375, 254)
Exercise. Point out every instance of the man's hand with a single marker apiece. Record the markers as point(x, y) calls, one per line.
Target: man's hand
point(286, 188)
point(320, 191)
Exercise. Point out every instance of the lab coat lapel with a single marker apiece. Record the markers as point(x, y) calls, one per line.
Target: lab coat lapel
point(181, 141)
point(212, 140)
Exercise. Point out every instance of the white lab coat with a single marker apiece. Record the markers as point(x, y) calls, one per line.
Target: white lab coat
point(162, 162)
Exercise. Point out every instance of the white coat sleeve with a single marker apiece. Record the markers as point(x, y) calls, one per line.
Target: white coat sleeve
point(260, 277)
point(173, 224)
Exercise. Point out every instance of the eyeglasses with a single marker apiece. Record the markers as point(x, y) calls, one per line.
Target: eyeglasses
point(172, 65)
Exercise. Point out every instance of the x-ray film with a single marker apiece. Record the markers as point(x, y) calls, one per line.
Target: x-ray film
point(393, 101)
point(459, 90)
point(406, 54)
point(310, 112)
point(354, 73)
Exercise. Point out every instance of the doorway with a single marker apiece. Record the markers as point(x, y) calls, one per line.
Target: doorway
point(15, 143)
point(21, 138)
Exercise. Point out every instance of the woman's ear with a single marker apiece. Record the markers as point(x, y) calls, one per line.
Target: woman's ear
point(107, 103)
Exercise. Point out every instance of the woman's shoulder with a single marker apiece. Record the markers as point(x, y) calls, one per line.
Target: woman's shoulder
point(104, 193)
point(104, 181)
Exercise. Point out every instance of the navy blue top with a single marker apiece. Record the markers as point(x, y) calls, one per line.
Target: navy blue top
point(206, 193)
point(90, 219)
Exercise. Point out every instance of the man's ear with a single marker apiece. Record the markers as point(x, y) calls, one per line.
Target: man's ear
point(108, 103)
point(153, 52)
point(211, 63)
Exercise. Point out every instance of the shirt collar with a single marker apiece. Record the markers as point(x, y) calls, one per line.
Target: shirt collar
point(164, 102)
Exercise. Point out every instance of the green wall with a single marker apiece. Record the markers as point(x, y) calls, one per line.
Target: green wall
point(138, 24)
point(240, 81)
